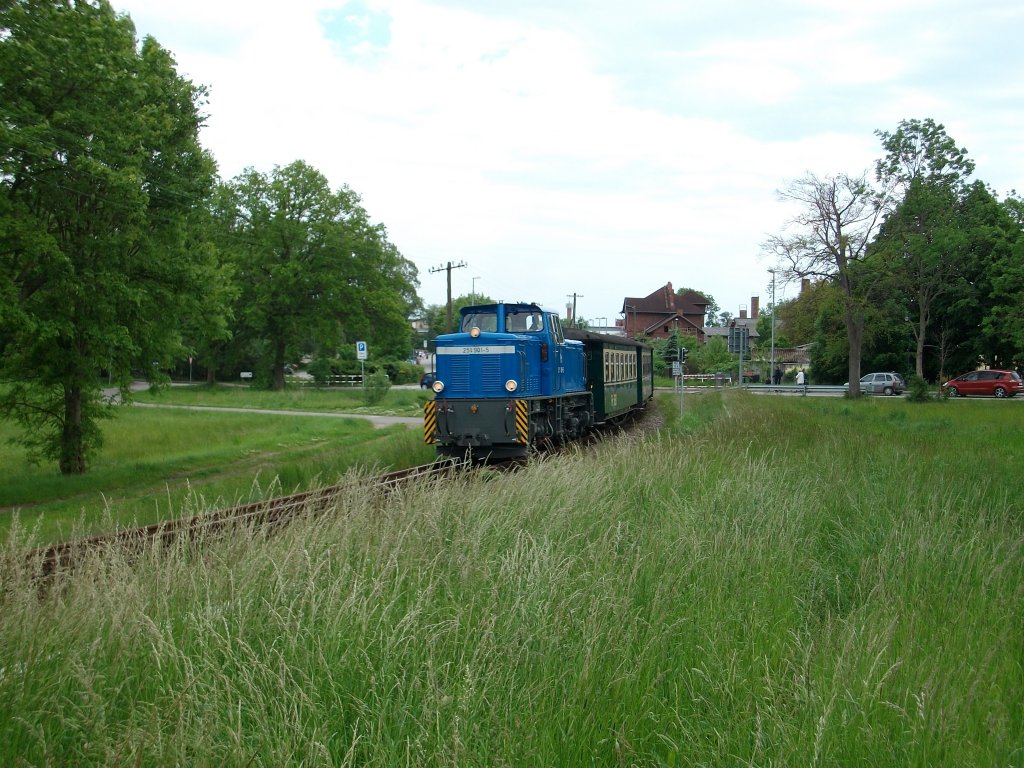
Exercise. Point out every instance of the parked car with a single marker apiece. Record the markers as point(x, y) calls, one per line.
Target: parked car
point(885, 383)
point(427, 380)
point(992, 383)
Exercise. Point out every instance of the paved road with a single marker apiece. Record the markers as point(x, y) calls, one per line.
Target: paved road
point(378, 421)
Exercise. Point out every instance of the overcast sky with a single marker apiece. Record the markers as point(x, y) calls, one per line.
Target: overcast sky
point(586, 147)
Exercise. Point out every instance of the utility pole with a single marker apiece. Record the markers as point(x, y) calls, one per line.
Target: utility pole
point(449, 269)
point(474, 288)
point(574, 297)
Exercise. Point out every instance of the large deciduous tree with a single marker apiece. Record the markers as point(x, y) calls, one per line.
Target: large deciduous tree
point(312, 268)
point(100, 169)
point(829, 235)
point(1005, 318)
point(922, 241)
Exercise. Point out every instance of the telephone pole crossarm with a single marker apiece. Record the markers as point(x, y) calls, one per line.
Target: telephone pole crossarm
point(448, 268)
point(574, 296)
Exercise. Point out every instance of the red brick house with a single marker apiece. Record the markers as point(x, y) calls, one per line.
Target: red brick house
point(658, 314)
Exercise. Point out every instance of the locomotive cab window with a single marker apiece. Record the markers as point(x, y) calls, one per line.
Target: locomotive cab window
point(556, 329)
point(485, 321)
point(523, 322)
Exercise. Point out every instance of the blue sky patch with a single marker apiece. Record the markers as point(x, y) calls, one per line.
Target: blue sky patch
point(357, 29)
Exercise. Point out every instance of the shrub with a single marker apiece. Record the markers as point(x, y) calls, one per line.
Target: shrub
point(321, 370)
point(375, 387)
point(918, 390)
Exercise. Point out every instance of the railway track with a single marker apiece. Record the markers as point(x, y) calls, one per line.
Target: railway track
point(48, 561)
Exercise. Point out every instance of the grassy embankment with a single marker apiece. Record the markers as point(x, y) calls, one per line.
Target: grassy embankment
point(398, 402)
point(161, 463)
point(770, 581)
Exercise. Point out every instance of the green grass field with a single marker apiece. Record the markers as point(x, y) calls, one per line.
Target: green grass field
point(160, 463)
point(766, 581)
point(399, 402)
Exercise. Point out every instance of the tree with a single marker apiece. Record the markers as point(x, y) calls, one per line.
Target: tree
point(712, 357)
point(921, 239)
point(1005, 318)
point(666, 351)
point(837, 219)
point(921, 150)
point(980, 321)
point(207, 331)
point(796, 317)
point(711, 311)
point(921, 247)
point(100, 173)
point(312, 268)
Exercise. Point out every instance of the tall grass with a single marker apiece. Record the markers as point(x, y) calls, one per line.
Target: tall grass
point(764, 582)
point(161, 463)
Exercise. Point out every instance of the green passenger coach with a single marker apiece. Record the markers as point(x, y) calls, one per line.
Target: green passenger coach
point(619, 373)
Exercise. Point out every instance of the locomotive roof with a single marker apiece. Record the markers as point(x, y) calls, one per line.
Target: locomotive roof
point(520, 305)
point(580, 334)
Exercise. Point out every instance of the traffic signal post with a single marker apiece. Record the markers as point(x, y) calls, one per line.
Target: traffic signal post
point(679, 369)
point(739, 342)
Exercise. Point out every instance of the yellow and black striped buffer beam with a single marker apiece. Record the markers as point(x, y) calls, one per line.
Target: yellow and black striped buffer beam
point(429, 421)
point(522, 421)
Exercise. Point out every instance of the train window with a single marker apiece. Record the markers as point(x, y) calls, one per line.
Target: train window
point(523, 322)
point(485, 321)
point(556, 328)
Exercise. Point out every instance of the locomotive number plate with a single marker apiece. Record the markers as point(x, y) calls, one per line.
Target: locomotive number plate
point(503, 349)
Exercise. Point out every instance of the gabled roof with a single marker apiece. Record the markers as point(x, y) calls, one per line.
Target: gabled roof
point(693, 303)
point(664, 301)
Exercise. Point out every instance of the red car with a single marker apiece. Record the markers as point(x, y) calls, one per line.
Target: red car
point(992, 382)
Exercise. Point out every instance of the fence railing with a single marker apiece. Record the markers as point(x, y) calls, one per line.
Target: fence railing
point(349, 380)
point(723, 379)
point(799, 389)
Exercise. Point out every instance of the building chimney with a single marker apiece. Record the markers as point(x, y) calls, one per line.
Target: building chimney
point(754, 302)
point(743, 311)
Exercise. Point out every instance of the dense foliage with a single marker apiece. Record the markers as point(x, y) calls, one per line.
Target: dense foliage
point(313, 272)
point(100, 173)
point(121, 257)
point(935, 289)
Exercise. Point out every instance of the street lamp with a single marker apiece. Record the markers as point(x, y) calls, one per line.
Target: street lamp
point(604, 321)
point(772, 372)
point(473, 294)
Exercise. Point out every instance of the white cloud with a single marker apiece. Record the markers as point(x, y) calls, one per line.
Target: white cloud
point(603, 152)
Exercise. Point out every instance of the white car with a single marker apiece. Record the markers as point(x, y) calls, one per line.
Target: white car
point(882, 384)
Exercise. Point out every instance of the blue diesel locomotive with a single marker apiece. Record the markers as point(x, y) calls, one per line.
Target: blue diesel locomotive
point(511, 378)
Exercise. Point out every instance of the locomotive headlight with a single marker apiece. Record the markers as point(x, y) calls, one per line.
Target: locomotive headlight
point(511, 385)
point(437, 386)
point(474, 332)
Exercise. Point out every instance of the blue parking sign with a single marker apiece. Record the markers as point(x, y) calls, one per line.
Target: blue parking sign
point(360, 350)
